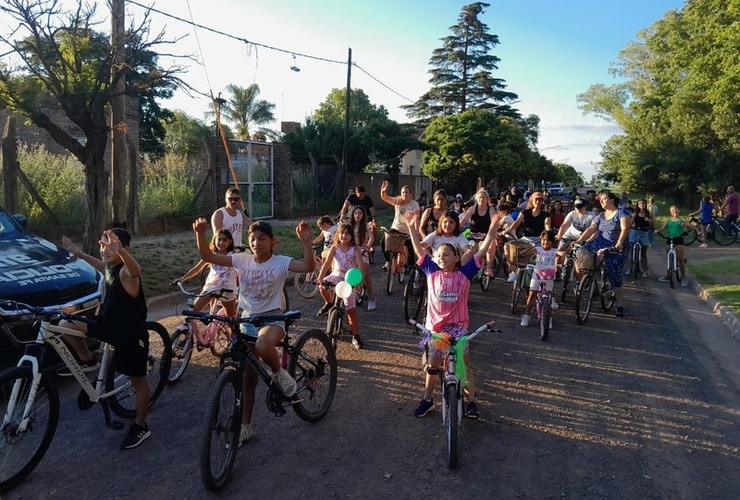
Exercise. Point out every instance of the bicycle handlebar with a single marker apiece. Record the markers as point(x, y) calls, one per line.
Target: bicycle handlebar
point(488, 327)
point(44, 313)
point(254, 319)
point(216, 294)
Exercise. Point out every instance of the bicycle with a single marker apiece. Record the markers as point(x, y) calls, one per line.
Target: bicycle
point(635, 268)
point(305, 283)
point(29, 400)
point(309, 359)
point(217, 335)
point(716, 230)
point(566, 272)
point(335, 321)
point(398, 268)
point(544, 311)
point(523, 277)
point(587, 286)
point(483, 279)
point(415, 294)
point(672, 268)
point(452, 377)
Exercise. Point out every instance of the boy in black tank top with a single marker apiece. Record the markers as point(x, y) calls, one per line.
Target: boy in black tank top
point(122, 322)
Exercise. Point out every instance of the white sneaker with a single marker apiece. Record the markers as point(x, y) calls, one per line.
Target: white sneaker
point(550, 323)
point(385, 266)
point(663, 279)
point(246, 434)
point(286, 383)
point(511, 278)
point(525, 320)
point(554, 305)
point(371, 305)
point(644, 274)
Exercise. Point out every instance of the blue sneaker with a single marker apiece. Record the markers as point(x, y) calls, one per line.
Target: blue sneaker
point(424, 407)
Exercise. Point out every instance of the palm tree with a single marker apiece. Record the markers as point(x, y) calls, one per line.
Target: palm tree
point(247, 113)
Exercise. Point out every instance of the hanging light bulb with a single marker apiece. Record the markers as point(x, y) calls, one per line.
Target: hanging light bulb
point(294, 67)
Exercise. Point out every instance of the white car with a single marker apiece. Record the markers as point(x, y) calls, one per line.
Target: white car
point(556, 188)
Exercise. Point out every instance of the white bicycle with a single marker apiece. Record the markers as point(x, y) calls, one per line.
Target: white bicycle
point(29, 400)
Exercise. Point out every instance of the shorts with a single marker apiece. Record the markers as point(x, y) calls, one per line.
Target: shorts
point(534, 284)
point(252, 331)
point(640, 235)
point(678, 240)
point(351, 301)
point(131, 354)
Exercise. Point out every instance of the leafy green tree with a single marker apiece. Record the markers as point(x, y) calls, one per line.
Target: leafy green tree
point(361, 110)
point(247, 113)
point(476, 144)
point(184, 134)
point(676, 102)
point(65, 62)
point(461, 73)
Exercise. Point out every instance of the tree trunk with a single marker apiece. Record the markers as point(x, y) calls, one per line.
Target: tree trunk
point(96, 184)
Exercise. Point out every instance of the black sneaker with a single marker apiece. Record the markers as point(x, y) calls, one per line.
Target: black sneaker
point(471, 411)
point(424, 407)
point(324, 309)
point(87, 366)
point(620, 312)
point(136, 435)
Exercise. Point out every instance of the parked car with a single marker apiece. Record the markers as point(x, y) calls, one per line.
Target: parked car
point(38, 272)
point(556, 188)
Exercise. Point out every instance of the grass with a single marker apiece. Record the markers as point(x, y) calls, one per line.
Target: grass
point(715, 275)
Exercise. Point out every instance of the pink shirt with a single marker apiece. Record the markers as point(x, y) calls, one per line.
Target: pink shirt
point(733, 203)
point(448, 293)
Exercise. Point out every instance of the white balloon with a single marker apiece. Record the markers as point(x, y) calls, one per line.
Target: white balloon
point(343, 289)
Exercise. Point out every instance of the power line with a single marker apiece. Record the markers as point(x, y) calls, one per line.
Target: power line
point(270, 47)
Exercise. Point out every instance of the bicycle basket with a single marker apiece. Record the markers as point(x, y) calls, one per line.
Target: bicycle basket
point(585, 259)
point(394, 242)
point(520, 245)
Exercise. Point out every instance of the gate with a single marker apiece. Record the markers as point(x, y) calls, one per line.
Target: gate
point(254, 166)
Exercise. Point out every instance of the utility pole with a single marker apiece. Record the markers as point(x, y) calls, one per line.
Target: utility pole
point(119, 158)
point(346, 122)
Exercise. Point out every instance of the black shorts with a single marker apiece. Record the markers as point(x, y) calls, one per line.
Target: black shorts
point(678, 240)
point(131, 353)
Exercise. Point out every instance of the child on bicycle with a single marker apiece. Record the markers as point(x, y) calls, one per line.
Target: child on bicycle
point(448, 282)
point(365, 240)
point(448, 231)
point(343, 256)
point(545, 268)
point(327, 229)
point(261, 279)
point(674, 228)
point(121, 323)
point(219, 277)
point(705, 213)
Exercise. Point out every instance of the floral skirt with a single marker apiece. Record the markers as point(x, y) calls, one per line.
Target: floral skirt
point(614, 263)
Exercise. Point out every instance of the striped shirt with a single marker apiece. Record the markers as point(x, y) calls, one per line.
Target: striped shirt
point(448, 293)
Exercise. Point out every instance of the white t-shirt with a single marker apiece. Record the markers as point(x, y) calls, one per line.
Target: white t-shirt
point(399, 221)
point(578, 224)
point(329, 236)
point(220, 277)
point(435, 240)
point(260, 285)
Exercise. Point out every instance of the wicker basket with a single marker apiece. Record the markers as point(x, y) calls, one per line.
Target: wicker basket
point(522, 259)
point(394, 242)
point(585, 260)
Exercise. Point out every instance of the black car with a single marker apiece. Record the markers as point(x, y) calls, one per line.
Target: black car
point(37, 272)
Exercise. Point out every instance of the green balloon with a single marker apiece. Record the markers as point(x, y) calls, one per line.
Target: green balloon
point(353, 276)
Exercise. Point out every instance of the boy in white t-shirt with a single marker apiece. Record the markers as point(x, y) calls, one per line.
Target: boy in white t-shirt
point(328, 228)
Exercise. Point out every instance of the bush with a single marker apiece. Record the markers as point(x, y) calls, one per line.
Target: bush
point(167, 187)
point(65, 195)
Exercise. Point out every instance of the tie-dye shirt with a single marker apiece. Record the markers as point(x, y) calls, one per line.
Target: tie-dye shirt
point(448, 293)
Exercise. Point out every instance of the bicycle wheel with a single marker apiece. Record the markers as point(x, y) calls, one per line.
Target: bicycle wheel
point(389, 274)
point(671, 272)
point(516, 292)
point(690, 236)
point(305, 284)
point(485, 280)
point(182, 350)
point(721, 235)
point(220, 438)
point(584, 298)
point(606, 294)
point(413, 294)
point(22, 450)
point(567, 273)
point(313, 365)
point(159, 359)
point(545, 319)
point(220, 336)
point(451, 423)
point(334, 326)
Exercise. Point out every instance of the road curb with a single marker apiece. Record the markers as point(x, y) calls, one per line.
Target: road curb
point(726, 315)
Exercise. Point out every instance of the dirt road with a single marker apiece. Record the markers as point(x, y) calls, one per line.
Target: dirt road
point(647, 406)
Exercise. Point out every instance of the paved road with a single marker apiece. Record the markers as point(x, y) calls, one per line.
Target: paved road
point(643, 407)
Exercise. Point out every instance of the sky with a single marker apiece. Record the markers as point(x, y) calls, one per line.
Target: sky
point(550, 51)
